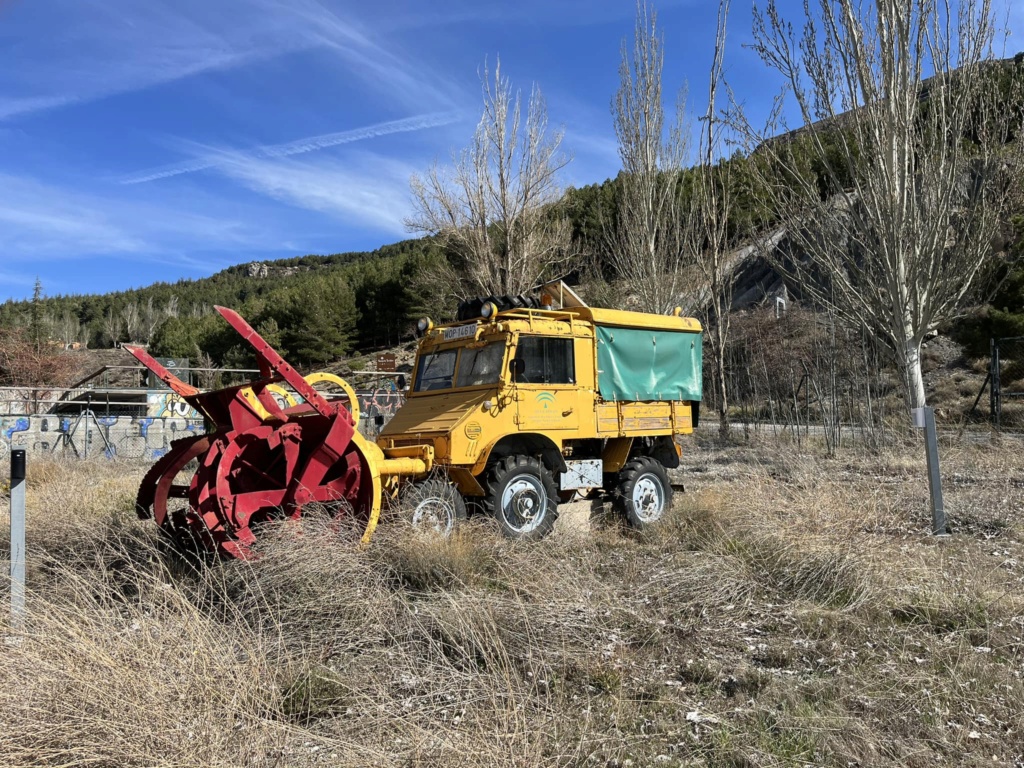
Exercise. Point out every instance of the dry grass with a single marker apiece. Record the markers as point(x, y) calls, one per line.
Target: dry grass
point(792, 610)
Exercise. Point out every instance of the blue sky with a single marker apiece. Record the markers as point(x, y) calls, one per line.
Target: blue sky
point(145, 140)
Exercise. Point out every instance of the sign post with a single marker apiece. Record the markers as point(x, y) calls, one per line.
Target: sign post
point(924, 418)
point(17, 538)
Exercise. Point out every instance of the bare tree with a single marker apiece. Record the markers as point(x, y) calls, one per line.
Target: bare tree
point(494, 209)
point(646, 237)
point(151, 317)
point(130, 320)
point(24, 363)
point(891, 192)
point(70, 327)
point(713, 231)
point(112, 325)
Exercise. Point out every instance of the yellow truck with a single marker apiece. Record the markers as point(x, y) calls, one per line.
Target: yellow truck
point(521, 407)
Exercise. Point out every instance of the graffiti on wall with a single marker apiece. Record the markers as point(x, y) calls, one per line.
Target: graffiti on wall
point(126, 437)
point(169, 405)
point(147, 437)
point(377, 407)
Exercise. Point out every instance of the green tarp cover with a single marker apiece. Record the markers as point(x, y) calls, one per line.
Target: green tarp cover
point(637, 364)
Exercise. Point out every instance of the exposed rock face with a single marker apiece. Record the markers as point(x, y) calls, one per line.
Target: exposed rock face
point(755, 279)
point(261, 269)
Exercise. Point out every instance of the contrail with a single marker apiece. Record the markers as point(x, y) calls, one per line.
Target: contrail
point(301, 146)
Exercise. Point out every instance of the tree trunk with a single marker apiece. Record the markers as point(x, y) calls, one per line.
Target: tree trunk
point(911, 364)
point(723, 405)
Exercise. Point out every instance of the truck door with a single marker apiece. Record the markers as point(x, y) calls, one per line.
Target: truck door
point(547, 389)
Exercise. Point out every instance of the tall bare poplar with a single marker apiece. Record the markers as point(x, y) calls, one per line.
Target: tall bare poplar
point(112, 325)
point(713, 239)
point(891, 193)
point(646, 239)
point(493, 209)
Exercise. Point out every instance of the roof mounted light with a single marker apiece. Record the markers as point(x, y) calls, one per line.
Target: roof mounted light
point(488, 310)
point(425, 325)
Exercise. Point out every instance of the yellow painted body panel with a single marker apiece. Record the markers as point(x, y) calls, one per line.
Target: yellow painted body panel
point(624, 319)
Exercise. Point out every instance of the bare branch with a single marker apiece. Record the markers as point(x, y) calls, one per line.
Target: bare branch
point(647, 239)
point(494, 208)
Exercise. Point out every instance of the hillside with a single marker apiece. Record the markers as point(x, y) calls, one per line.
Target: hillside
point(309, 305)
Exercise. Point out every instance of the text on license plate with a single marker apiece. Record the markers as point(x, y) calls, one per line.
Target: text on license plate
point(460, 332)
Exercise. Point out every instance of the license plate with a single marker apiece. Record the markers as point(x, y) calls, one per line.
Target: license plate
point(460, 332)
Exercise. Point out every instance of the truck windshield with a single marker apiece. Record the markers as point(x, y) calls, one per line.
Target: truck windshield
point(436, 370)
point(481, 366)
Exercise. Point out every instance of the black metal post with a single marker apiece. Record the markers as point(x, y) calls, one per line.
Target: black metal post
point(17, 538)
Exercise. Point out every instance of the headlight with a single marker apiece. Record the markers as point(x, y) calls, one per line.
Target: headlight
point(489, 309)
point(425, 324)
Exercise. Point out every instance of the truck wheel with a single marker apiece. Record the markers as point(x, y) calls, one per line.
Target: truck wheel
point(523, 497)
point(644, 493)
point(434, 505)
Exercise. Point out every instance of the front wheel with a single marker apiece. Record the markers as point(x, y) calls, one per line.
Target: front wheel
point(643, 494)
point(523, 497)
point(434, 505)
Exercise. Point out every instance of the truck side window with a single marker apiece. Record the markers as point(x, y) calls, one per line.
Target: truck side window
point(546, 360)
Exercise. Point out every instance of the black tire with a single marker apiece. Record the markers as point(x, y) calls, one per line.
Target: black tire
point(433, 504)
point(522, 497)
point(643, 494)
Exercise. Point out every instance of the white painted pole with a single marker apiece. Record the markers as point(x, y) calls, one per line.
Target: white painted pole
point(17, 539)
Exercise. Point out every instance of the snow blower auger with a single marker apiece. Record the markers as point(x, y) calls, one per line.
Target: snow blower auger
point(264, 462)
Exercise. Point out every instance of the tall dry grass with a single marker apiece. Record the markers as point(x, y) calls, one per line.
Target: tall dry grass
point(791, 610)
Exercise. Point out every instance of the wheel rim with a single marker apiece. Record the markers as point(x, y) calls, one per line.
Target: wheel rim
point(648, 498)
point(524, 503)
point(436, 514)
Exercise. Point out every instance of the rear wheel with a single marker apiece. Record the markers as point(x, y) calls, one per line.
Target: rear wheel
point(523, 497)
point(434, 505)
point(643, 494)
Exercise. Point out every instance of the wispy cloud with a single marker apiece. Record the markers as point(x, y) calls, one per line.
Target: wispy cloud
point(377, 63)
point(301, 146)
point(44, 222)
point(101, 49)
point(119, 46)
point(365, 190)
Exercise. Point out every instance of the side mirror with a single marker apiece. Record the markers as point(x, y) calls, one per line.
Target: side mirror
point(400, 382)
point(379, 419)
point(516, 367)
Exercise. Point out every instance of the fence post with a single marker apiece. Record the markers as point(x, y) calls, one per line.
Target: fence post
point(995, 404)
point(88, 413)
point(925, 418)
point(17, 538)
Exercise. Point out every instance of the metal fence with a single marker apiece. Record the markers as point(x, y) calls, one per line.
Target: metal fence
point(1006, 383)
point(801, 373)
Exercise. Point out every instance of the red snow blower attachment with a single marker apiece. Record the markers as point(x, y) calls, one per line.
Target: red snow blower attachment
point(210, 494)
